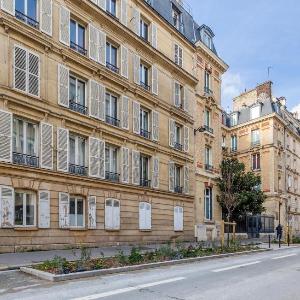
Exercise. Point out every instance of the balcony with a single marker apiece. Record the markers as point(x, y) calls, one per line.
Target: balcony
point(111, 176)
point(178, 146)
point(78, 48)
point(25, 159)
point(209, 168)
point(178, 189)
point(31, 22)
point(233, 149)
point(145, 182)
point(112, 121)
point(78, 170)
point(208, 91)
point(112, 67)
point(145, 86)
point(111, 14)
point(208, 129)
point(78, 107)
point(255, 144)
point(145, 133)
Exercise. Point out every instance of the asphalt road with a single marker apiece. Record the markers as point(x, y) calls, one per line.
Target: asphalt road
point(269, 275)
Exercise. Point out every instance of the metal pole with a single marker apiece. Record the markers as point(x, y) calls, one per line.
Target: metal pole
point(280, 225)
point(269, 241)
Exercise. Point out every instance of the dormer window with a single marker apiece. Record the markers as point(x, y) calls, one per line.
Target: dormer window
point(207, 40)
point(177, 18)
point(255, 112)
point(234, 119)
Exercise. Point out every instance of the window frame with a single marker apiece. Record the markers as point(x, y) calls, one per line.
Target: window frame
point(144, 24)
point(108, 7)
point(111, 149)
point(256, 161)
point(234, 119)
point(144, 159)
point(144, 74)
point(113, 201)
point(111, 45)
point(76, 213)
point(255, 114)
point(208, 197)
point(146, 221)
point(76, 149)
point(78, 24)
point(77, 80)
point(37, 4)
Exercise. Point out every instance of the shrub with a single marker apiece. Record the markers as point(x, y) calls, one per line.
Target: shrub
point(135, 256)
point(121, 258)
point(57, 264)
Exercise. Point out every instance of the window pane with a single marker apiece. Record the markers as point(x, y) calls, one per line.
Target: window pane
point(81, 36)
point(114, 56)
point(108, 53)
point(81, 152)
point(18, 140)
point(114, 160)
point(81, 92)
point(72, 212)
point(29, 210)
point(113, 7)
point(107, 106)
point(73, 31)
point(72, 88)
point(114, 112)
point(32, 9)
point(30, 139)
point(72, 150)
point(18, 209)
point(107, 159)
point(20, 6)
point(79, 212)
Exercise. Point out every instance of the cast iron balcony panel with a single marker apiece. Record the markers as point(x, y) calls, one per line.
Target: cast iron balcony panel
point(26, 160)
point(208, 91)
point(145, 86)
point(78, 48)
point(112, 67)
point(78, 170)
point(112, 121)
point(178, 146)
point(145, 182)
point(111, 176)
point(208, 129)
point(234, 149)
point(26, 19)
point(78, 107)
point(145, 133)
point(255, 144)
point(178, 189)
point(209, 167)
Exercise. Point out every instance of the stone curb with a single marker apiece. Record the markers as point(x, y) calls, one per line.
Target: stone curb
point(86, 274)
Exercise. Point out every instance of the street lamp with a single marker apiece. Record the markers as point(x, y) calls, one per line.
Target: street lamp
point(200, 129)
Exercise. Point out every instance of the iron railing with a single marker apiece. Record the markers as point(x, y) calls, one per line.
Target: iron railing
point(25, 159)
point(145, 182)
point(78, 170)
point(208, 129)
point(145, 133)
point(30, 21)
point(112, 67)
point(178, 189)
point(178, 146)
point(112, 121)
point(112, 176)
point(145, 86)
point(78, 48)
point(77, 107)
point(255, 143)
point(209, 167)
point(208, 91)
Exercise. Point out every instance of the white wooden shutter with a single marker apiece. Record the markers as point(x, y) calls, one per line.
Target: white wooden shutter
point(155, 173)
point(125, 113)
point(136, 117)
point(154, 35)
point(171, 176)
point(46, 16)
point(148, 216)
point(135, 167)
point(125, 165)
point(176, 94)
point(63, 85)
point(116, 214)
point(124, 61)
point(102, 47)
point(176, 53)
point(6, 121)
point(33, 74)
point(186, 99)
point(136, 68)
point(172, 129)
point(7, 208)
point(93, 43)
point(178, 218)
point(94, 157)
point(44, 209)
point(97, 100)
point(109, 214)
point(46, 146)
point(102, 159)
point(135, 21)
point(102, 4)
point(154, 80)
point(92, 212)
point(101, 105)
point(155, 126)
point(62, 149)
point(186, 179)
point(186, 138)
point(145, 216)
point(8, 6)
point(20, 69)
point(64, 203)
point(64, 26)
point(123, 12)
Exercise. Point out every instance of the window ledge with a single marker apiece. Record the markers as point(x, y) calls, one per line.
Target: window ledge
point(77, 229)
point(112, 230)
point(179, 231)
point(146, 230)
point(26, 228)
point(209, 222)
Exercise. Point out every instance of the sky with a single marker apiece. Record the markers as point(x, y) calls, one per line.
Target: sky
point(251, 36)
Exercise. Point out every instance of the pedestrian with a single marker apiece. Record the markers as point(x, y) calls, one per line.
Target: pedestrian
point(279, 231)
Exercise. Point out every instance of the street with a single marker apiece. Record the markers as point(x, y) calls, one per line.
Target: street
point(267, 275)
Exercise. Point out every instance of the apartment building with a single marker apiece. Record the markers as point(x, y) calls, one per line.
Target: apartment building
point(97, 121)
point(265, 136)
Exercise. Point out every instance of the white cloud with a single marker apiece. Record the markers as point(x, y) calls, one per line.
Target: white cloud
point(296, 109)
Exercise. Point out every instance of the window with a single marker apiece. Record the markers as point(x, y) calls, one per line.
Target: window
point(178, 218)
point(208, 159)
point(289, 181)
point(145, 123)
point(144, 30)
point(25, 209)
point(76, 212)
point(207, 83)
point(207, 40)
point(179, 95)
point(26, 11)
point(77, 92)
point(178, 55)
point(112, 57)
point(77, 146)
point(145, 216)
point(255, 112)
point(208, 203)
point(111, 108)
point(233, 143)
point(144, 77)
point(178, 134)
point(255, 137)
point(223, 141)
point(112, 214)
point(111, 163)
point(177, 179)
point(234, 119)
point(256, 161)
point(207, 121)
point(77, 37)
point(144, 171)
point(25, 143)
point(177, 18)
point(111, 7)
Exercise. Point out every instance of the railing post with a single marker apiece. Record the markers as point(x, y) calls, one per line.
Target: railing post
point(222, 233)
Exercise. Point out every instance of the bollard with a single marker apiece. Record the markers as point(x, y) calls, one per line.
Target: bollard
point(269, 241)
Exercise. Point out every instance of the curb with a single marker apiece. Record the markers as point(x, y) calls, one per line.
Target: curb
point(86, 274)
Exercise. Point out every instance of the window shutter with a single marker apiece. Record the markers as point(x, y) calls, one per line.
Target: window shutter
point(123, 12)
point(125, 113)
point(172, 133)
point(64, 210)
point(125, 165)
point(20, 69)
point(46, 146)
point(34, 74)
point(154, 35)
point(7, 209)
point(176, 53)
point(135, 21)
point(102, 4)
point(62, 149)
point(142, 215)
point(93, 43)
point(171, 176)
point(124, 61)
point(102, 158)
point(155, 126)
point(154, 80)
point(63, 85)
point(116, 214)
point(97, 100)
point(102, 47)
point(46, 16)
point(44, 209)
point(148, 216)
point(186, 99)
point(136, 68)
point(94, 157)
point(176, 93)
point(186, 179)
point(8, 6)
point(178, 218)
point(92, 212)
point(135, 167)
point(155, 173)
point(101, 106)
point(109, 214)
point(64, 29)
point(136, 117)
point(6, 136)
point(186, 138)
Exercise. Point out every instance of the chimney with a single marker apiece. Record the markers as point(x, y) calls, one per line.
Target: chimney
point(264, 91)
point(282, 101)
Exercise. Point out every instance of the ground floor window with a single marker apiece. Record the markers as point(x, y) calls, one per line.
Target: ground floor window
point(208, 203)
point(112, 214)
point(25, 208)
point(76, 212)
point(145, 216)
point(178, 218)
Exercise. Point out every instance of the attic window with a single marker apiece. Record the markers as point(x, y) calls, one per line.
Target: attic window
point(207, 39)
point(255, 112)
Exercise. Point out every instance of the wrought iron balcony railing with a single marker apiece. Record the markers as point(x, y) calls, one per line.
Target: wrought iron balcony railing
point(145, 182)
point(209, 167)
point(145, 86)
point(112, 176)
point(25, 159)
point(178, 146)
point(112, 121)
point(208, 129)
point(30, 21)
point(78, 48)
point(77, 107)
point(178, 189)
point(112, 67)
point(145, 133)
point(78, 170)
point(255, 143)
point(208, 91)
